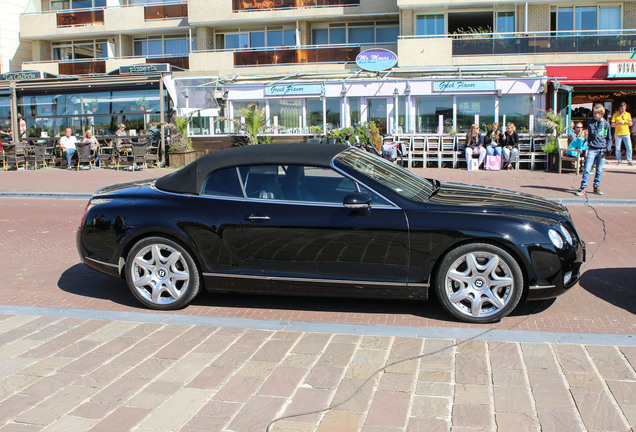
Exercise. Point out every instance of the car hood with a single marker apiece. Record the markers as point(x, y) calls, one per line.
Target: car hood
point(494, 200)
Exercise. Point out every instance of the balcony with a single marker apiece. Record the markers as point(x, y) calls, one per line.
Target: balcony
point(293, 55)
point(256, 5)
point(97, 22)
point(257, 12)
point(101, 65)
point(579, 42)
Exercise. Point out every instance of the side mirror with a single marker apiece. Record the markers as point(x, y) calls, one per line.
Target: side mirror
point(357, 201)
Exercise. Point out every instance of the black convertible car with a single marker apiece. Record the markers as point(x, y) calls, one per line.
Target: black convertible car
point(328, 220)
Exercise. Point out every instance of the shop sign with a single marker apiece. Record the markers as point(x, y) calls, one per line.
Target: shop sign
point(376, 60)
point(462, 86)
point(21, 76)
point(621, 69)
point(145, 68)
point(293, 90)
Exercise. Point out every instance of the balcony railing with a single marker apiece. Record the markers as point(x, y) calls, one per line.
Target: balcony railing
point(82, 67)
point(98, 65)
point(256, 5)
point(84, 17)
point(166, 11)
point(544, 42)
point(294, 55)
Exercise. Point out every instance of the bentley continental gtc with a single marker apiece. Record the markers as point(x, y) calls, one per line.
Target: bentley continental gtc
point(328, 220)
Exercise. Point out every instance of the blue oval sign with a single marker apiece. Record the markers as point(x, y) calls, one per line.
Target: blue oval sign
point(376, 60)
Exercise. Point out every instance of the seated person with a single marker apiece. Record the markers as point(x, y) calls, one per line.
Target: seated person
point(578, 142)
point(510, 144)
point(474, 145)
point(89, 139)
point(68, 145)
point(121, 131)
point(492, 140)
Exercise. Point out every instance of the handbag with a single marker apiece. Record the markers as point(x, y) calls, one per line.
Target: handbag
point(493, 163)
point(473, 164)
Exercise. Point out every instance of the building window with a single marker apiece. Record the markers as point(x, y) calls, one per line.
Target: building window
point(356, 33)
point(430, 25)
point(77, 4)
point(286, 116)
point(470, 106)
point(97, 110)
point(78, 50)
point(427, 112)
point(505, 22)
point(256, 38)
point(517, 109)
point(162, 46)
point(589, 18)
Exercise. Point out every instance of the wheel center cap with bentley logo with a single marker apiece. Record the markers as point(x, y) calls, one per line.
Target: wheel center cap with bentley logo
point(162, 273)
point(479, 283)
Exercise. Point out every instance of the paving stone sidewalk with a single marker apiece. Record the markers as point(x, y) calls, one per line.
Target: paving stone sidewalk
point(74, 374)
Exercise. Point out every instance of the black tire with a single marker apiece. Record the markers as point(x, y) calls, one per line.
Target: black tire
point(479, 283)
point(162, 274)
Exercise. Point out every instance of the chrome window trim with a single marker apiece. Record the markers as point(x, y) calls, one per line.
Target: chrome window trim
point(305, 203)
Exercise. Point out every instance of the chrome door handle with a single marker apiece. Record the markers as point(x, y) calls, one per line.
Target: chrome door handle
point(257, 218)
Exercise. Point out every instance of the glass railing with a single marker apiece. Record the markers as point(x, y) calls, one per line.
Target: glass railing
point(166, 11)
point(544, 43)
point(256, 5)
point(85, 17)
point(286, 55)
point(82, 67)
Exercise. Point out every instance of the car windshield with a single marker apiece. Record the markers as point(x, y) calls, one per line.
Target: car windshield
point(396, 178)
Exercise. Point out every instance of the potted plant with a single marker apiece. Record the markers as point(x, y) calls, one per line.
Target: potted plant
point(316, 131)
point(92, 105)
point(180, 150)
point(255, 125)
point(142, 103)
point(554, 123)
point(334, 136)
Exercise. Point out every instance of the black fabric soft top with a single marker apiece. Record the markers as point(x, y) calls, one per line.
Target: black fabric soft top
point(189, 179)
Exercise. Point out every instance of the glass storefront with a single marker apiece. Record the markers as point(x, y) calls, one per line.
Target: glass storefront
point(517, 109)
point(49, 114)
point(427, 112)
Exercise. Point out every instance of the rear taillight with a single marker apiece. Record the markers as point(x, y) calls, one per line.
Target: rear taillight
point(88, 207)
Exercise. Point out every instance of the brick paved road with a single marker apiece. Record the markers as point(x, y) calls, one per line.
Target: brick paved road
point(41, 268)
point(59, 373)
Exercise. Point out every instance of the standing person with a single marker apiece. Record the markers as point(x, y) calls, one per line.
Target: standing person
point(599, 141)
point(21, 127)
point(474, 145)
point(68, 144)
point(492, 140)
point(622, 121)
point(510, 144)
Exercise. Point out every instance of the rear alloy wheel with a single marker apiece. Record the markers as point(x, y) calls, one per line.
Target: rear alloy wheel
point(479, 283)
point(162, 274)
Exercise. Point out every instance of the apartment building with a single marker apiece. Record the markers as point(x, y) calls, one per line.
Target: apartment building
point(96, 63)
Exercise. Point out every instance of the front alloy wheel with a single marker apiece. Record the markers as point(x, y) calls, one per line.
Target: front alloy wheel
point(161, 274)
point(479, 283)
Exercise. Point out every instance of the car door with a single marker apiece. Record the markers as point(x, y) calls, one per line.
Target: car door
point(297, 227)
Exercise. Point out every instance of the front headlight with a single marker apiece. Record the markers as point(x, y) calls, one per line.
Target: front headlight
point(566, 234)
point(555, 238)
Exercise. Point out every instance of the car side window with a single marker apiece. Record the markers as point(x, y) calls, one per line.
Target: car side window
point(223, 183)
point(300, 183)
